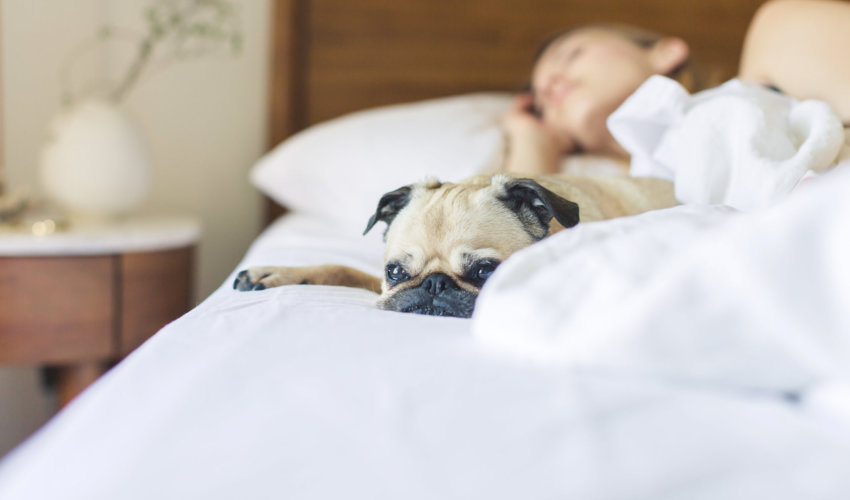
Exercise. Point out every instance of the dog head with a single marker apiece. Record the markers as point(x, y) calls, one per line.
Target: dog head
point(444, 240)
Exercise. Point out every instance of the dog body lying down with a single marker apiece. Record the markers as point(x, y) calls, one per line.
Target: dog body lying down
point(443, 240)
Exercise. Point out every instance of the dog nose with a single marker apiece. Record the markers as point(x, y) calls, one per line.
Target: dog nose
point(437, 283)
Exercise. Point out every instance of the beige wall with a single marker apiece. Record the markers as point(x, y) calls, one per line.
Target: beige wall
point(204, 120)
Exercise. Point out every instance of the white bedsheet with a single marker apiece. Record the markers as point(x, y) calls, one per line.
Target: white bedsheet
point(313, 393)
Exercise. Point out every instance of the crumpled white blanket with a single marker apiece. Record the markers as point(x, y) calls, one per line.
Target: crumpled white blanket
point(749, 301)
point(739, 144)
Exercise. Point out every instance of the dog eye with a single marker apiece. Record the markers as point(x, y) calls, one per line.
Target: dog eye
point(483, 270)
point(396, 273)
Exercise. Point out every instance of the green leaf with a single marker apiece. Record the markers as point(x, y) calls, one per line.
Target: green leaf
point(236, 43)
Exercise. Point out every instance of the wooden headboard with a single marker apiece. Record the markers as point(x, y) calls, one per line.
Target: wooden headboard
point(331, 57)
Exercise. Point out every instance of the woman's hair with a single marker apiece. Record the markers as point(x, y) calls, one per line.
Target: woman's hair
point(689, 74)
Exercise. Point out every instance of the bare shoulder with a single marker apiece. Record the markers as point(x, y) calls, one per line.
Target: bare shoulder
point(799, 46)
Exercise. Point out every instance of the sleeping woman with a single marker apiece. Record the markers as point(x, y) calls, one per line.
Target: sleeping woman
point(796, 47)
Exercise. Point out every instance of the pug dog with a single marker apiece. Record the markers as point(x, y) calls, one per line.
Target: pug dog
point(444, 240)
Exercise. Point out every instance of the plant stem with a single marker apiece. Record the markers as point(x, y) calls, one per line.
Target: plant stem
point(158, 33)
point(145, 51)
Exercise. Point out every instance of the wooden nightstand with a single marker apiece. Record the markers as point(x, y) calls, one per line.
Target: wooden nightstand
point(79, 301)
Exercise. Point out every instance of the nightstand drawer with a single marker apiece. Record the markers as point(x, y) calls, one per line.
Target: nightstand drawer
point(155, 289)
point(79, 301)
point(55, 310)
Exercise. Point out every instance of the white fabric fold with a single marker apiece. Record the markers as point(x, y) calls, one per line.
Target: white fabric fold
point(738, 144)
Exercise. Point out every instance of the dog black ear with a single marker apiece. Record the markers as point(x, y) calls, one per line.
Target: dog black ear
point(536, 206)
point(389, 206)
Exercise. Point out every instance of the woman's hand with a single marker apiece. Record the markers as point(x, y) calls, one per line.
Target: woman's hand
point(532, 148)
point(520, 120)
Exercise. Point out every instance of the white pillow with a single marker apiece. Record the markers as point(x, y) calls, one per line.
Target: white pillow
point(340, 169)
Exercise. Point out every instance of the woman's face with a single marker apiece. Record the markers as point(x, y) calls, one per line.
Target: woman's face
point(581, 78)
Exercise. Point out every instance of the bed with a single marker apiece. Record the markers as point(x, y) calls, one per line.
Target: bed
point(694, 352)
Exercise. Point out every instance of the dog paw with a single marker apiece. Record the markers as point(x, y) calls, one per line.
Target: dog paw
point(260, 278)
point(255, 278)
point(244, 283)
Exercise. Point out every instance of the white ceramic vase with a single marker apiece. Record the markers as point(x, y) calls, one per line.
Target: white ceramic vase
point(95, 162)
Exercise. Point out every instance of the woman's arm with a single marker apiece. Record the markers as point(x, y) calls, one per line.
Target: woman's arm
point(531, 148)
point(801, 47)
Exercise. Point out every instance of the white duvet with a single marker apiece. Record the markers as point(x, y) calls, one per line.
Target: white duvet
point(704, 356)
point(757, 301)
